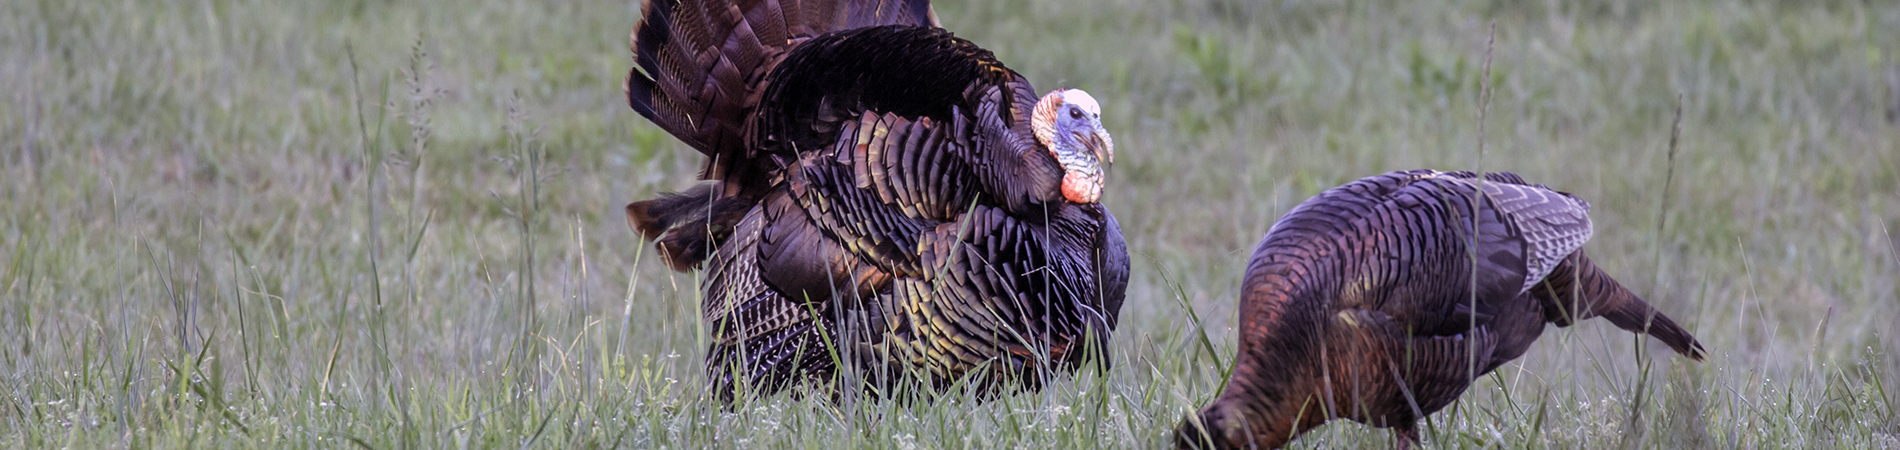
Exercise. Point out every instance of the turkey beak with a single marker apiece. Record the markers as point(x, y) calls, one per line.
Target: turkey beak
point(1102, 145)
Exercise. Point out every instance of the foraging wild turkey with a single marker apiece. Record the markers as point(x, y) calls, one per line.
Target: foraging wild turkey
point(881, 194)
point(1376, 301)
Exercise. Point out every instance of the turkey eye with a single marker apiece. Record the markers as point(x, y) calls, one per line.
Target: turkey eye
point(1075, 114)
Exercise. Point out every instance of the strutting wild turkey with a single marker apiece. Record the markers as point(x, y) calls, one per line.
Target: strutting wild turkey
point(882, 194)
point(1380, 300)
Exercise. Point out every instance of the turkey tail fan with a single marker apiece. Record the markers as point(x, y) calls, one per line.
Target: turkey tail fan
point(686, 226)
point(672, 82)
point(699, 63)
point(699, 67)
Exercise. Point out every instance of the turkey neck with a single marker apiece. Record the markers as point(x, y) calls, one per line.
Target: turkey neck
point(1274, 392)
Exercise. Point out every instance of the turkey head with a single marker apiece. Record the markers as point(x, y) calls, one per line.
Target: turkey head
point(1068, 123)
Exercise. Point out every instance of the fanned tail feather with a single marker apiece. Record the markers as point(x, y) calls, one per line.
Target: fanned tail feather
point(870, 13)
point(699, 64)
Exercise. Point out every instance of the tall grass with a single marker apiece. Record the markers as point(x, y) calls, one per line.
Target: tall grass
point(239, 223)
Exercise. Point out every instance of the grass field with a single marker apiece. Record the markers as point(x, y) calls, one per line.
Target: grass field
point(362, 223)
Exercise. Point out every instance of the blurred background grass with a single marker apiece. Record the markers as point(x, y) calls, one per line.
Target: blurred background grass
point(232, 223)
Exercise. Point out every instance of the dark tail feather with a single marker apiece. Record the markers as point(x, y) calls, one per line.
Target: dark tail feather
point(697, 62)
point(1576, 290)
point(1638, 317)
point(687, 226)
point(640, 96)
point(653, 217)
point(667, 47)
point(870, 13)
